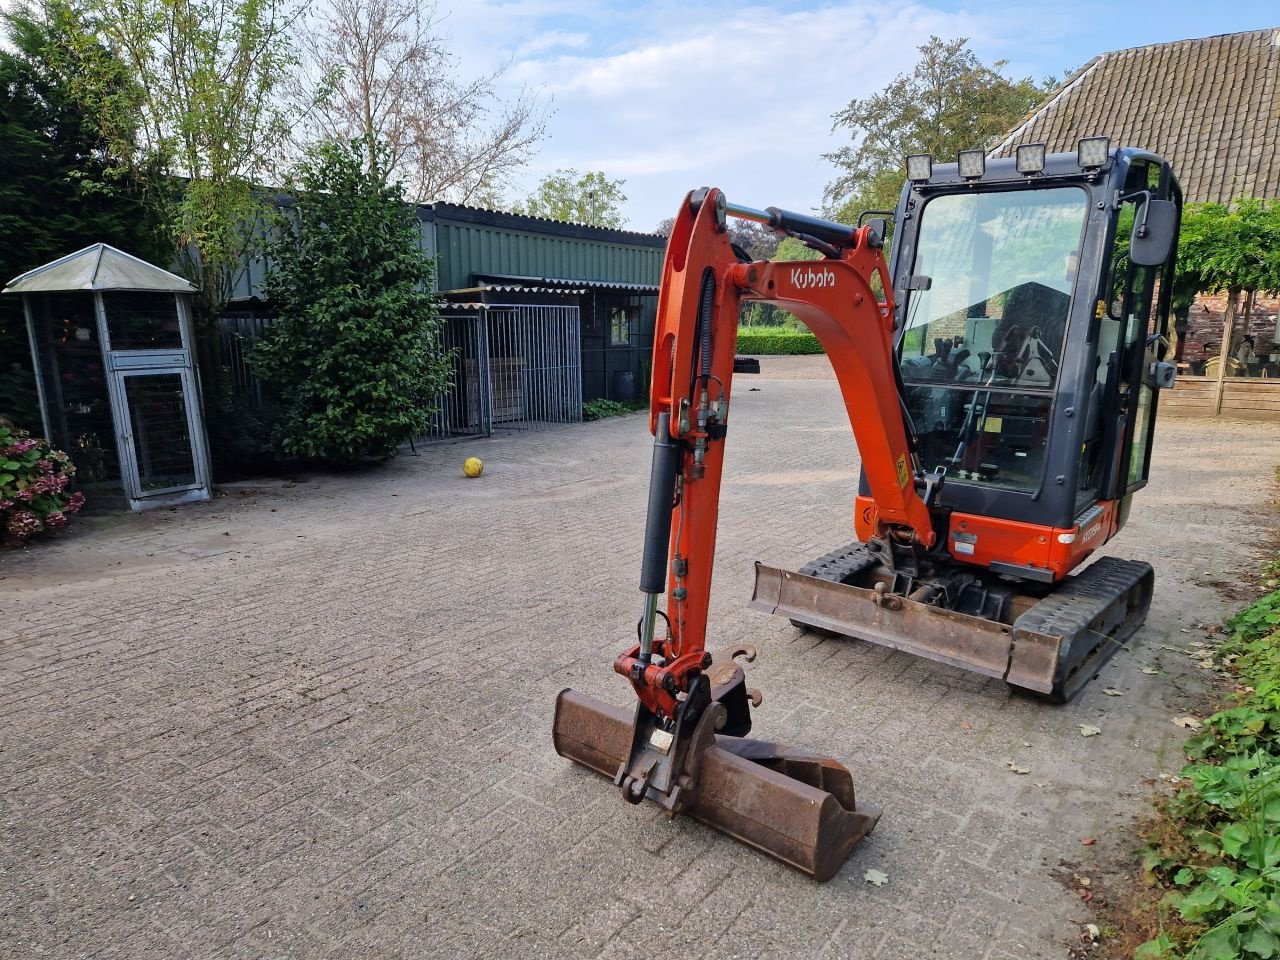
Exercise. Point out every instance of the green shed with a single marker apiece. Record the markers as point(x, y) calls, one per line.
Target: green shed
point(494, 259)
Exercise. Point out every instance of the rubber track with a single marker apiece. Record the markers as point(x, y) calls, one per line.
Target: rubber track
point(1074, 610)
point(842, 564)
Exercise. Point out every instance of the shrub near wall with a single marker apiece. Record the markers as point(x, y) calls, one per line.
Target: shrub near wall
point(777, 344)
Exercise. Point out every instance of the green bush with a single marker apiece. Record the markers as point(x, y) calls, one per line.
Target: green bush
point(353, 355)
point(776, 343)
point(1215, 847)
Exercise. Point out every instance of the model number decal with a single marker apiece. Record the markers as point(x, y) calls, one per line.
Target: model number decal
point(805, 278)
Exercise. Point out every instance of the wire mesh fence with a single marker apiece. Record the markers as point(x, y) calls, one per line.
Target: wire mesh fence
point(512, 367)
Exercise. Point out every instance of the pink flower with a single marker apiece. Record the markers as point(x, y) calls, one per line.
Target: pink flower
point(45, 466)
point(5, 504)
point(26, 494)
point(75, 502)
point(55, 519)
point(51, 483)
point(24, 524)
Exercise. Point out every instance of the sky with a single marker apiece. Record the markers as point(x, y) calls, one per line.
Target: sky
point(670, 96)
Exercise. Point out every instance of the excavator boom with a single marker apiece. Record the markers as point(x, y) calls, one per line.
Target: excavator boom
point(685, 746)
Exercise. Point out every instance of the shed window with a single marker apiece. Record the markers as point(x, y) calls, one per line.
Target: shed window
point(621, 321)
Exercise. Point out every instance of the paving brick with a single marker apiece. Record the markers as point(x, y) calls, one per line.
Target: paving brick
point(327, 735)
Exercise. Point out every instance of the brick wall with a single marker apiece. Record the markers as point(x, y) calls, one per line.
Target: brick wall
point(1206, 317)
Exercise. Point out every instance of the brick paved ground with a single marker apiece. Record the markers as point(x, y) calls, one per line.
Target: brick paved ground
point(311, 720)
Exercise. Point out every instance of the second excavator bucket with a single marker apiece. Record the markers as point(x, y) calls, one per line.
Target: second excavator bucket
point(790, 804)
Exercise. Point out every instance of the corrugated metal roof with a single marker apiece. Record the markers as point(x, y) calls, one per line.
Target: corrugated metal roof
point(99, 267)
point(1210, 106)
point(544, 282)
point(466, 212)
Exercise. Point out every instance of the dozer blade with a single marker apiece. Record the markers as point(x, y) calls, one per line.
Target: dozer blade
point(792, 805)
point(1053, 649)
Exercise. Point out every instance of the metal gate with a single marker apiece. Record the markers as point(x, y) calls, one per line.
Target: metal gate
point(514, 367)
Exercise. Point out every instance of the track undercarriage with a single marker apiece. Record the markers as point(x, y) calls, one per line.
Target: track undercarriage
point(1046, 639)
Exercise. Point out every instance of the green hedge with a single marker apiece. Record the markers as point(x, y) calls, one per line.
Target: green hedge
point(773, 344)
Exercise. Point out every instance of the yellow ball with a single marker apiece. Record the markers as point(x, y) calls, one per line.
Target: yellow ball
point(472, 467)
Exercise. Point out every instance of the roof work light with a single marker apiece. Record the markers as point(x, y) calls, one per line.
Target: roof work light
point(1030, 158)
point(919, 167)
point(972, 163)
point(1092, 152)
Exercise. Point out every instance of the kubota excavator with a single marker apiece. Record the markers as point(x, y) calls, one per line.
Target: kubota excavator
point(1001, 386)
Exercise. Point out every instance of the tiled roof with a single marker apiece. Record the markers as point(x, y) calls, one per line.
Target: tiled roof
point(1209, 106)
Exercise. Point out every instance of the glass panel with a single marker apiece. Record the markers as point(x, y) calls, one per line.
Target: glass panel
point(161, 439)
point(1000, 269)
point(137, 320)
point(75, 386)
point(986, 436)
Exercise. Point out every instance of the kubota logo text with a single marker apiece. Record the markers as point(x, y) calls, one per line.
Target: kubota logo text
point(807, 277)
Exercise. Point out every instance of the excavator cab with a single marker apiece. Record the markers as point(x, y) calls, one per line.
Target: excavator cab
point(1032, 301)
point(1029, 340)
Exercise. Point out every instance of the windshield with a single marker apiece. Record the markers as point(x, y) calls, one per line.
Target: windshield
point(998, 268)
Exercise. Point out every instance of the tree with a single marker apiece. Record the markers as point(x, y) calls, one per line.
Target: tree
point(62, 186)
point(198, 81)
point(353, 353)
point(590, 198)
point(385, 75)
point(1233, 247)
point(754, 239)
point(949, 102)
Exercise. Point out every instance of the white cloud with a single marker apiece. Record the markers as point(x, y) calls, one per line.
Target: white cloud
point(551, 40)
point(670, 95)
point(737, 97)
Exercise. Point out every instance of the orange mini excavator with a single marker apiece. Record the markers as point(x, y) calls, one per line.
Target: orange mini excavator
point(1001, 388)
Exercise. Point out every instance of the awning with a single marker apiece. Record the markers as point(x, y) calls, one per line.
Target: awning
point(485, 287)
point(542, 283)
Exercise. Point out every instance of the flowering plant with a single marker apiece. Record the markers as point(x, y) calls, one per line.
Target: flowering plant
point(34, 481)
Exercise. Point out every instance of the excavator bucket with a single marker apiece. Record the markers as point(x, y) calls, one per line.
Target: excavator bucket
point(1053, 646)
point(792, 805)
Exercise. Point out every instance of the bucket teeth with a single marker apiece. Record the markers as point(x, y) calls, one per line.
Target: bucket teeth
point(790, 804)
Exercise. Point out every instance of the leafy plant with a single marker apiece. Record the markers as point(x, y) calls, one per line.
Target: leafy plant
point(354, 352)
point(34, 482)
point(1215, 844)
point(600, 408)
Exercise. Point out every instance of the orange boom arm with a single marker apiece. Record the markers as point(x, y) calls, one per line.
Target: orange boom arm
point(703, 286)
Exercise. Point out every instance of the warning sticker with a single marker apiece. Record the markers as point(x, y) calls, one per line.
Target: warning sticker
point(993, 424)
point(904, 476)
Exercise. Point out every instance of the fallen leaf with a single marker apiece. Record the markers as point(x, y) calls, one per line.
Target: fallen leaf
point(1150, 671)
point(877, 877)
point(1089, 730)
point(1083, 881)
point(1112, 692)
point(964, 725)
point(1025, 743)
point(1085, 895)
point(1017, 769)
point(1093, 931)
point(1190, 723)
point(1089, 841)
